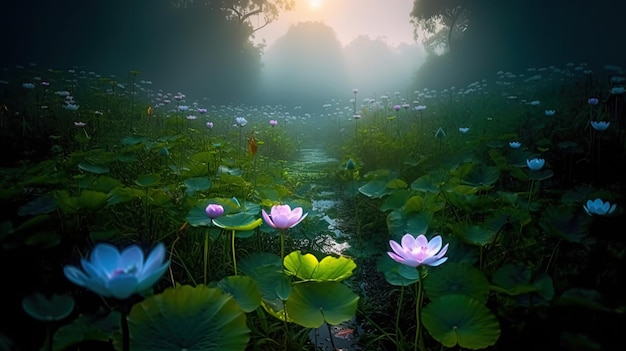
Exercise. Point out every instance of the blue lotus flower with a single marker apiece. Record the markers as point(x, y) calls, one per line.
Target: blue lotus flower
point(600, 125)
point(111, 273)
point(599, 207)
point(536, 164)
point(514, 144)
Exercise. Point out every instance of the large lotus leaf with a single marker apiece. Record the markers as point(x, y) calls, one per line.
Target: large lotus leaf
point(395, 200)
point(93, 169)
point(43, 308)
point(414, 204)
point(418, 223)
point(104, 183)
point(148, 180)
point(562, 222)
point(244, 290)
point(133, 140)
point(468, 203)
point(197, 184)
point(473, 234)
point(460, 320)
point(121, 195)
point(307, 267)
point(92, 200)
point(313, 303)
point(457, 278)
point(397, 274)
point(203, 157)
point(399, 223)
point(541, 174)
point(197, 217)
point(397, 184)
point(482, 176)
point(188, 318)
point(578, 341)
point(43, 204)
point(585, 298)
point(88, 199)
point(274, 286)
point(543, 294)
point(375, 189)
point(87, 328)
point(513, 279)
point(238, 221)
point(258, 260)
point(517, 158)
point(426, 183)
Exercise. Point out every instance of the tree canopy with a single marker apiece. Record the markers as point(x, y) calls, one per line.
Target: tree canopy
point(436, 22)
point(251, 14)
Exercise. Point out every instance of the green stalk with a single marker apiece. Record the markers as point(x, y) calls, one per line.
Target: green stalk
point(398, 314)
point(233, 250)
point(206, 252)
point(418, 305)
point(282, 245)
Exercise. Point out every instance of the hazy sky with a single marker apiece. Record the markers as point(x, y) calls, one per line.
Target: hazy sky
point(349, 18)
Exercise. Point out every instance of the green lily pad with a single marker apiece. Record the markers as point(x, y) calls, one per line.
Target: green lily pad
point(190, 318)
point(482, 176)
point(313, 303)
point(473, 234)
point(93, 169)
point(43, 204)
point(562, 222)
point(395, 200)
point(308, 268)
point(244, 290)
point(48, 309)
point(585, 298)
point(100, 328)
point(399, 223)
point(541, 174)
point(87, 200)
point(460, 320)
point(457, 278)
point(397, 274)
point(427, 183)
point(238, 221)
point(513, 279)
point(133, 140)
point(148, 180)
point(197, 184)
point(375, 189)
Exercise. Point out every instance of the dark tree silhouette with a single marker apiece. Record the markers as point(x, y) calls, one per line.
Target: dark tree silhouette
point(305, 66)
point(250, 14)
point(436, 22)
point(517, 34)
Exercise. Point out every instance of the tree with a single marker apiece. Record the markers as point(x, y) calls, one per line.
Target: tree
point(244, 12)
point(439, 22)
point(305, 67)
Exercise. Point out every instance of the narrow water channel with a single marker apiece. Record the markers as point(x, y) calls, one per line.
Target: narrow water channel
point(317, 167)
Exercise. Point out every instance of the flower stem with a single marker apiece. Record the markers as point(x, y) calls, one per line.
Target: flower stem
point(418, 304)
point(282, 246)
point(206, 252)
point(398, 314)
point(233, 250)
point(125, 335)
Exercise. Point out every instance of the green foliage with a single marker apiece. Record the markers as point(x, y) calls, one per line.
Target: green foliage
point(188, 317)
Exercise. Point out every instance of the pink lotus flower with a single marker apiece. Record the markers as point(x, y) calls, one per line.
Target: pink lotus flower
point(282, 217)
point(214, 211)
point(416, 251)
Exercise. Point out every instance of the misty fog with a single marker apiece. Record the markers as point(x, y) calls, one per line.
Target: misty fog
point(309, 65)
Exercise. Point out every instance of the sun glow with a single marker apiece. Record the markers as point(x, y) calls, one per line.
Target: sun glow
point(315, 4)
